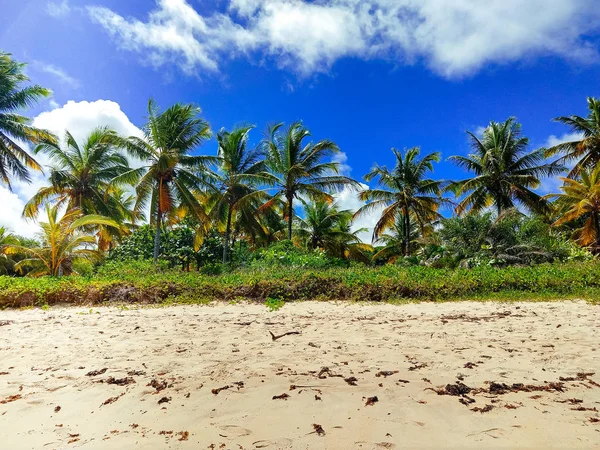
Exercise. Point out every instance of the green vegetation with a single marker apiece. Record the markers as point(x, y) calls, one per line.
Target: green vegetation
point(262, 223)
point(143, 282)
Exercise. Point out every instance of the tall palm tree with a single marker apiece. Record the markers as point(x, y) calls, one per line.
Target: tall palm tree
point(581, 200)
point(240, 171)
point(81, 175)
point(297, 168)
point(14, 127)
point(505, 173)
point(585, 151)
point(64, 240)
point(407, 192)
point(171, 175)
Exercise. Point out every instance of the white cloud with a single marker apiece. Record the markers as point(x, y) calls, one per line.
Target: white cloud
point(59, 73)
point(80, 118)
point(553, 140)
point(453, 37)
point(342, 159)
point(551, 185)
point(58, 9)
point(348, 199)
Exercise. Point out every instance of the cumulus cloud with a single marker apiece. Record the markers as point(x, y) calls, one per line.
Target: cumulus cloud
point(553, 140)
point(58, 9)
point(80, 118)
point(348, 199)
point(453, 37)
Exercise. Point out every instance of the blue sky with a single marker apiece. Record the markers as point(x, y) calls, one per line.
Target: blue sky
point(370, 75)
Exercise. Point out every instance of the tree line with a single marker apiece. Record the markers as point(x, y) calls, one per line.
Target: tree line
point(108, 184)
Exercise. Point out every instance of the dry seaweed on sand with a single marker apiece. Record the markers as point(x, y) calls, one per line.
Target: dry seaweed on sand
point(371, 401)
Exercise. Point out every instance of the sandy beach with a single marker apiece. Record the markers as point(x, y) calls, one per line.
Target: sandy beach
point(368, 376)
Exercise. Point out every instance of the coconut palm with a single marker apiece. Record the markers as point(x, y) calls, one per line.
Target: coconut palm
point(585, 151)
point(320, 224)
point(406, 192)
point(580, 199)
point(240, 171)
point(170, 176)
point(329, 228)
point(7, 239)
point(394, 242)
point(505, 173)
point(298, 169)
point(63, 240)
point(14, 127)
point(81, 175)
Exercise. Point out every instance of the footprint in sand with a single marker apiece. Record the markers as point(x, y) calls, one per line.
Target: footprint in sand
point(273, 443)
point(233, 431)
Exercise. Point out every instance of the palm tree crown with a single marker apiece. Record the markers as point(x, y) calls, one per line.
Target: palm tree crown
point(81, 175)
point(505, 173)
point(406, 192)
point(170, 175)
point(581, 199)
point(14, 160)
point(586, 150)
point(297, 168)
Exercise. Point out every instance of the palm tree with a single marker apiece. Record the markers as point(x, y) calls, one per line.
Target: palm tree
point(81, 175)
point(505, 173)
point(14, 160)
point(395, 241)
point(585, 151)
point(171, 176)
point(407, 192)
point(297, 168)
point(63, 241)
point(581, 200)
point(240, 170)
point(320, 224)
point(7, 239)
point(329, 228)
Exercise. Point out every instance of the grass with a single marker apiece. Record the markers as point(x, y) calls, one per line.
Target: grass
point(140, 282)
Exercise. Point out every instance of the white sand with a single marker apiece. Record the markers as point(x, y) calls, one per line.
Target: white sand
point(196, 349)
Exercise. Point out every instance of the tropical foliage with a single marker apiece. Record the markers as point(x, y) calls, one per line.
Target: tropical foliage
point(170, 177)
point(407, 194)
point(505, 172)
point(15, 162)
point(298, 168)
point(63, 241)
point(116, 202)
point(583, 152)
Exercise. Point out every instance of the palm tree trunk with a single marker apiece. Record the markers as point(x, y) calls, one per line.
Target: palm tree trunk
point(227, 232)
point(290, 216)
point(157, 236)
point(597, 226)
point(406, 235)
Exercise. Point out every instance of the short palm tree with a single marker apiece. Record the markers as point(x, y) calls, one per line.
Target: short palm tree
point(505, 173)
point(171, 176)
point(64, 240)
point(320, 225)
point(406, 192)
point(240, 171)
point(81, 175)
point(329, 228)
point(14, 127)
point(7, 239)
point(581, 200)
point(396, 240)
point(585, 151)
point(297, 168)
